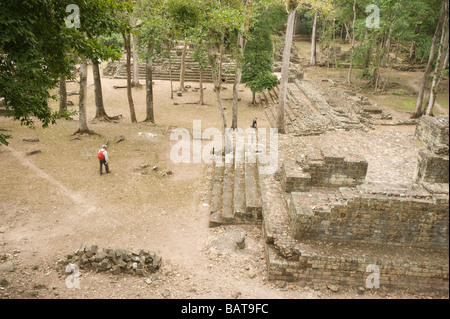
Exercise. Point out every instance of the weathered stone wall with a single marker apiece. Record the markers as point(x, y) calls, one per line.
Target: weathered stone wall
point(318, 270)
point(415, 219)
point(432, 168)
point(136, 262)
point(433, 130)
point(324, 169)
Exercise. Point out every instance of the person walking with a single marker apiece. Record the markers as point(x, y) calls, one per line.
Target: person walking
point(103, 159)
point(255, 123)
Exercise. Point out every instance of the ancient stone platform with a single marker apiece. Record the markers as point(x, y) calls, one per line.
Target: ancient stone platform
point(311, 111)
point(162, 67)
point(331, 234)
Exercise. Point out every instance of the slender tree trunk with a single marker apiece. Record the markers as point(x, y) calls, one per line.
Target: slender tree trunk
point(442, 60)
point(350, 70)
point(135, 82)
point(82, 123)
point(285, 71)
point(183, 66)
point(368, 51)
point(253, 98)
point(201, 102)
point(347, 33)
point(100, 112)
point(314, 41)
point(170, 74)
point(149, 85)
point(419, 111)
point(237, 82)
point(218, 88)
point(62, 95)
point(127, 41)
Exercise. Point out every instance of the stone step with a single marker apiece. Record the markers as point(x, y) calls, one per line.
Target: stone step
point(239, 181)
point(276, 222)
point(227, 199)
point(217, 188)
point(252, 195)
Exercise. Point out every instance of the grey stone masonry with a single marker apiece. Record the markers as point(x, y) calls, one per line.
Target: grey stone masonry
point(433, 130)
point(294, 179)
point(373, 214)
point(432, 168)
point(329, 169)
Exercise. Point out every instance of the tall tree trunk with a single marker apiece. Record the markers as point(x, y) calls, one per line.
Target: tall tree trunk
point(127, 41)
point(442, 60)
point(218, 88)
point(170, 73)
point(419, 111)
point(350, 70)
point(201, 102)
point(237, 82)
point(82, 123)
point(135, 82)
point(100, 112)
point(314, 41)
point(62, 95)
point(183, 66)
point(149, 85)
point(285, 71)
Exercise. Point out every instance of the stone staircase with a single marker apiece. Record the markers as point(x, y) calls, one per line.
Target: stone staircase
point(307, 111)
point(324, 224)
point(161, 70)
point(235, 193)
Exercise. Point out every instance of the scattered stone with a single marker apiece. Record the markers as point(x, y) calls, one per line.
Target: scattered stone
point(333, 287)
point(148, 281)
point(166, 294)
point(31, 139)
point(179, 93)
point(33, 152)
point(7, 267)
point(138, 262)
point(361, 290)
point(240, 241)
point(236, 295)
point(70, 103)
point(281, 284)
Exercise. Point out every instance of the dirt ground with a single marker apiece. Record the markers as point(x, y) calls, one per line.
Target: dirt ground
point(54, 201)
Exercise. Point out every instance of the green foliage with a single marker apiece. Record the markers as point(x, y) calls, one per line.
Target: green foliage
point(257, 69)
point(37, 48)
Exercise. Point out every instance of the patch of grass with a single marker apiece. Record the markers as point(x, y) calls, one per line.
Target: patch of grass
point(39, 286)
point(4, 283)
point(399, 92)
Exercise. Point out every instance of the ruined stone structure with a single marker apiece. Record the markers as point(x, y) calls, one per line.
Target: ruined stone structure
point(116, 261)
point(161, 69)
point(323, 223)
point(308, 111)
